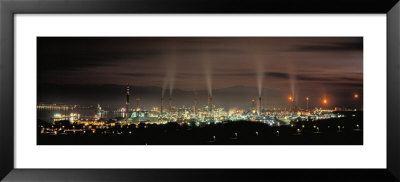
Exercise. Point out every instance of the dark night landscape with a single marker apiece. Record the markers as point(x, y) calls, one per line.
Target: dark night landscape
point(200, 91)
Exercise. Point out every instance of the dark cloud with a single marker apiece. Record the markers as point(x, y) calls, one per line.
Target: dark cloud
point(142, 74)
point(277, 75)
point(357, 45)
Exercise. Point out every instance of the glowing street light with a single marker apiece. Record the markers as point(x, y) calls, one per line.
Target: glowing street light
point(325, 101)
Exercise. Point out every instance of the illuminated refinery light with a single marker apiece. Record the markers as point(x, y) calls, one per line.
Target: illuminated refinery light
point(194, 116)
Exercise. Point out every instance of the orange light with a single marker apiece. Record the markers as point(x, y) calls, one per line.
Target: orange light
point(307, 98)
point(325, 101)
point(290, 98)
point(355, 96)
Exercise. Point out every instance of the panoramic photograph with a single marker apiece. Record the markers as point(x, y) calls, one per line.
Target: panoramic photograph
point(199, 91)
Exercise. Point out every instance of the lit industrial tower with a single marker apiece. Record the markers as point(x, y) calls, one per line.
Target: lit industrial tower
point(99, 111)
point(293, 107)
point(253, 104)
point(161, 108)
point(307, 99)
point(259, 106)
point(209, 99)
point(127, 99)
point(195, 106)
point(137, 104)
point(170, 104)
point(170, 108)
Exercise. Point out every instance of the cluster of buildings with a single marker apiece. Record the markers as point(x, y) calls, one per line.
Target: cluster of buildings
point(194, 115)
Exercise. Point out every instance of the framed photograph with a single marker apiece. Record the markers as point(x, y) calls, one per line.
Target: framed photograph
point(144, 91)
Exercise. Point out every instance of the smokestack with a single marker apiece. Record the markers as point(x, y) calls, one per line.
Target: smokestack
point(259, 106)
point(170, 108)
point(170, 104)
point(127, 103)
point(137, 103)
point(209, 99)
point(293, 106)
point(127, 94)
point(162, 103)
point(195, 105)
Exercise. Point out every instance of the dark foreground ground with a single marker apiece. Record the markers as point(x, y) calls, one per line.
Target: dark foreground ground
point(229, 133)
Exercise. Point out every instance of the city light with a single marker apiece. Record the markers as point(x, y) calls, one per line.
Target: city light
point(130, 118)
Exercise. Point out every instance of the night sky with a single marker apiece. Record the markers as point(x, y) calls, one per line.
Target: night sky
point(83, 70)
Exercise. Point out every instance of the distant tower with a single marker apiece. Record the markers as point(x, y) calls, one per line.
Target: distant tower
point(170, 108)
point(170, 103)
point(162, 103)
point(209, 99)
point(99, 111)
point(307, 99)
point(137, 104)
point(253, 104)
point(259, 106)
point(127, 99)
point(195, 106)
point(293, 106)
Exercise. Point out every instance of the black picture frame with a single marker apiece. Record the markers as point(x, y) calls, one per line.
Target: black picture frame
point(9, 8)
